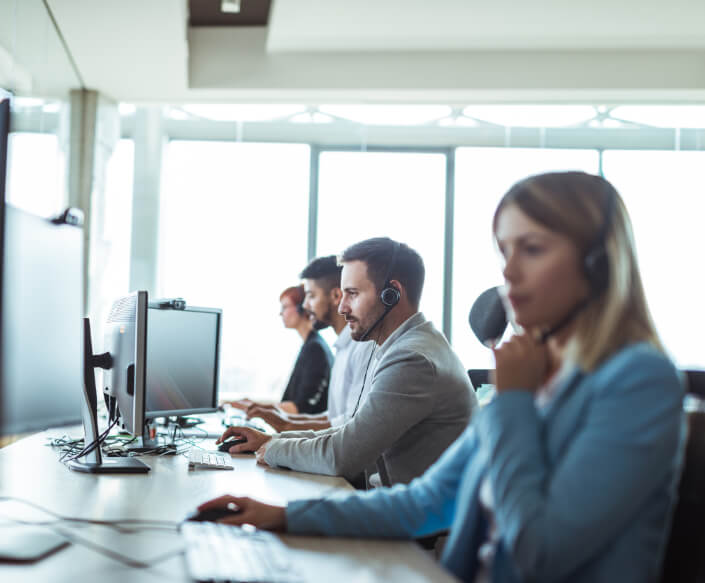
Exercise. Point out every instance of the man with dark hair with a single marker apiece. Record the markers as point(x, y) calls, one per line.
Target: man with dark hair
point(384, 261)
point(378, 255)
point(418, 396)
point(321, 280)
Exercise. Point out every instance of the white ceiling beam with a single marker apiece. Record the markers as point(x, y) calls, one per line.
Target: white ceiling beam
point(451, 25)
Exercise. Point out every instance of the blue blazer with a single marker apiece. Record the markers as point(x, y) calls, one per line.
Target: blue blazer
point(583, 489)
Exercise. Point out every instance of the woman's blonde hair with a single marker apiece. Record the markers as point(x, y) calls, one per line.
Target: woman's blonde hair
point(588, 210)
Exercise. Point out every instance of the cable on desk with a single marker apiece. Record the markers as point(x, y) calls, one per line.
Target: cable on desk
point(87, 449)
point(71, 537)
point(115, 524)
point(124, 559)
point(115, 445)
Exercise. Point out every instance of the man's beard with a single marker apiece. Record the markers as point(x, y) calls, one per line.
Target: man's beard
point(365, 327)
point(319, 325)
point(322, 324)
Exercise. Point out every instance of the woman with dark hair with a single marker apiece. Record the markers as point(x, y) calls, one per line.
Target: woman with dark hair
point(307, 389)
point(569, 473)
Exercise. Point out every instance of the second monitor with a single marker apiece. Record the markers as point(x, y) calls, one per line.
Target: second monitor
point(183, 360)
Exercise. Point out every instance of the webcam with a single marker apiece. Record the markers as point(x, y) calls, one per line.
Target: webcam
point(173, 303)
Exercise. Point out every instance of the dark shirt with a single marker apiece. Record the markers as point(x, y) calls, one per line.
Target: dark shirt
point(308, 384)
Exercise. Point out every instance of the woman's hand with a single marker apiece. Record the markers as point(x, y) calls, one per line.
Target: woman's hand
point(521, 363)
point(248, 511)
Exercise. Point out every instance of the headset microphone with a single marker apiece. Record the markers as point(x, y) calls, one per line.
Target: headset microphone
point(377, 322)
point(564, 321)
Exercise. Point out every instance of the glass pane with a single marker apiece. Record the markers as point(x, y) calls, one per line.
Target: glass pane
point(233, 235)
point(112, 234)
point(666, 205)
point(39, 192)
point(482, 176)
point(382, 194)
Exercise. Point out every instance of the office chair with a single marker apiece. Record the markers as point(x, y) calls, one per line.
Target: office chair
point(479, 377)
point(684, 559)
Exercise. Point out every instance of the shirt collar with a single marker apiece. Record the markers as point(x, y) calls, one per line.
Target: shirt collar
point(344, 338)
point(411, 322)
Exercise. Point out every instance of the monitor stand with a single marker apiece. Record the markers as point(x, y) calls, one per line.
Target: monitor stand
point(93, 462)
point(151, 439)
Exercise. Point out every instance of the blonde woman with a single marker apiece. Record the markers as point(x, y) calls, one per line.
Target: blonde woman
point(569, 473)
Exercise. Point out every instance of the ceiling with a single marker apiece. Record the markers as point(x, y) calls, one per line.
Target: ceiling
point(174, 51)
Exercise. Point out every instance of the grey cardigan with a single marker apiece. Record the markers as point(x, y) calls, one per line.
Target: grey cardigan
point(418, 401)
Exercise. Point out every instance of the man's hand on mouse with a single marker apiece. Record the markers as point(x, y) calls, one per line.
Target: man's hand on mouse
point(248, 511)
point(255, 439)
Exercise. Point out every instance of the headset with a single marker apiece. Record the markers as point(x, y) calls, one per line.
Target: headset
point(390, 295)
point(300, 308)
point(595, 264)
point(595, 261)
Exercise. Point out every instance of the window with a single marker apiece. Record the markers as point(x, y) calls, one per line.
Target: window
point(40, 192)
point(482, 177)
point(666, 205)
point(233, 226)
point(392, 194)
point(111, 235)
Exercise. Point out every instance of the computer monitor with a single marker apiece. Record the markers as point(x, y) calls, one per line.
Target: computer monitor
point(183, 360)
point(126, 341)
point(90, 459)
point(42, 345)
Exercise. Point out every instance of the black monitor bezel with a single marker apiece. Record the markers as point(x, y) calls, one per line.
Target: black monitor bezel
point(149, 415)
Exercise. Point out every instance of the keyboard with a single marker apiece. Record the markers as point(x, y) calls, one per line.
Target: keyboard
point(219, 552)
point(209, 459)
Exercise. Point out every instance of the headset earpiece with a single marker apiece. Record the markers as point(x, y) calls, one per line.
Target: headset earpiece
point(390, 296)
point(300, 308)
point(595, 262)
point(596, 268)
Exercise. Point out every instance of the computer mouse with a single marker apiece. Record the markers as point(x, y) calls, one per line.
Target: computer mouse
point(228, 443)
point(211, 515)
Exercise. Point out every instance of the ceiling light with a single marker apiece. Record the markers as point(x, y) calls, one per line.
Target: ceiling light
point(531, 116)
point(663, 116)
point(457, 121)
point(389, 115)
point(230, 6)
point(242, 112)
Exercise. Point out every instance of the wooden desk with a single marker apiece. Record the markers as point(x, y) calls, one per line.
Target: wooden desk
point(31, 471)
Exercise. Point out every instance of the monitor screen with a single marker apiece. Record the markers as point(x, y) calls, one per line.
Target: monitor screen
point(42, 337)
point(183, 348)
